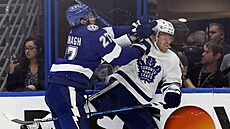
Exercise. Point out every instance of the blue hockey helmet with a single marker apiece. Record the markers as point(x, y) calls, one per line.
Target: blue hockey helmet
point(77, 12)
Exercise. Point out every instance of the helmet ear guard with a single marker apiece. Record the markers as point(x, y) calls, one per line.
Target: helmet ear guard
point(76, 12)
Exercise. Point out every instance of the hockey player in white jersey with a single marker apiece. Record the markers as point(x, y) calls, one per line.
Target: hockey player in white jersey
point(87, 46)
point(137, 81)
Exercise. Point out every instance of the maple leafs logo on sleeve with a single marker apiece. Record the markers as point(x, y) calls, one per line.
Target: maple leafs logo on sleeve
point(148, 71)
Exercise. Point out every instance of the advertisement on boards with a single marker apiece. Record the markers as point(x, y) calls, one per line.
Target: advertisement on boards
point(202, 109)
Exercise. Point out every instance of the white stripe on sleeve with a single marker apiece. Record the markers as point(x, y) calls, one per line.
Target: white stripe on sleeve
point(109, 30)
point(112, 55)
point(123, 41)
point(73, 68)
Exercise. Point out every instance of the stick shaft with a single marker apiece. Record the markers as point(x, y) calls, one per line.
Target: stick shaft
point(154, 105)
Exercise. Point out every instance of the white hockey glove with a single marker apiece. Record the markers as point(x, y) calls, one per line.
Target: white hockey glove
point(172, 96)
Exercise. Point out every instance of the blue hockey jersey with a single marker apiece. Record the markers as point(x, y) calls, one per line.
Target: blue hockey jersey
point(87, 47)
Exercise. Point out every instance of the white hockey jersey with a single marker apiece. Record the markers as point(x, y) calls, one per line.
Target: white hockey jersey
point(141, 76)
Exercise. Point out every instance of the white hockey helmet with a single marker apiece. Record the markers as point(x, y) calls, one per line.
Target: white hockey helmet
point(164, 26)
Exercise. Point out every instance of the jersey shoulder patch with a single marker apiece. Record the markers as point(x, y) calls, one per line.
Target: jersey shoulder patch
point(92, 27)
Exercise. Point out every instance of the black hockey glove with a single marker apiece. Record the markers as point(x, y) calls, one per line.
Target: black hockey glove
point(172, 97)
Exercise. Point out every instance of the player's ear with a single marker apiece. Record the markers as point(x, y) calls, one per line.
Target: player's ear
point(217, 56)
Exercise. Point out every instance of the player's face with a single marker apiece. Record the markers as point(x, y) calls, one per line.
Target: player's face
point(91, 18)
point(164, 41)
point(214, 34)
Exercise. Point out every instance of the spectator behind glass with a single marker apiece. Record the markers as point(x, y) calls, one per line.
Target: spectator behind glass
point(209, 75)
point(27, 74)
point(225, 67)
point(215, 32)
point(197, 38)
point(181, 32)
point(194, 48)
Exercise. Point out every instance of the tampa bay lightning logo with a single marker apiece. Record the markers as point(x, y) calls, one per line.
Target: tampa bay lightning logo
point(148, 71)
point(92, 27)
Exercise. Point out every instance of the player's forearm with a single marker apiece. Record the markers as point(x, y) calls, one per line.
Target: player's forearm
point(118, 31)
point(186, 80)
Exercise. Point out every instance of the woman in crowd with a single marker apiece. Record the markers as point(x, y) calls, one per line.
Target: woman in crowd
point(27, 72)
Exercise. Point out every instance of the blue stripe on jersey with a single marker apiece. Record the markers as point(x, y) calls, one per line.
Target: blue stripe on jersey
point(134, 86)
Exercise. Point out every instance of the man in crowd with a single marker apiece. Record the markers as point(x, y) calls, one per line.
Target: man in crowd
point(225, 66)
point(209, 74)
point(215, 32)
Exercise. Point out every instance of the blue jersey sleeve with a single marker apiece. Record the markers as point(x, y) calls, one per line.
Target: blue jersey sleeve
point(127, 54)
point(121, 30)
point(110, 51)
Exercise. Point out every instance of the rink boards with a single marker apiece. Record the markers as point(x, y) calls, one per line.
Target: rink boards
point(200, 108)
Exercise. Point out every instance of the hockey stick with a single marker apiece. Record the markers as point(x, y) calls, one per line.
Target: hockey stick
point(103, 91)
point(78, 1)
point(155, 106)
point(16, 120)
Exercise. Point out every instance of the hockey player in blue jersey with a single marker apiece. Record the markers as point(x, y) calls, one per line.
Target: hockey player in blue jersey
point(87, 47)
point(136, 82)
